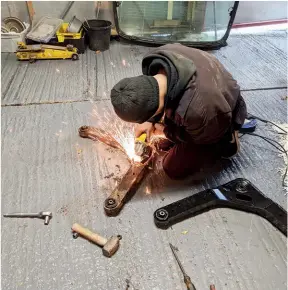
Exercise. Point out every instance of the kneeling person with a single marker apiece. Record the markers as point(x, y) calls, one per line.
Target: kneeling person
point(197, 99)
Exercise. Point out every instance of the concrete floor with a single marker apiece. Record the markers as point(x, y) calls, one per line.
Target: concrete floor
point(47, 166)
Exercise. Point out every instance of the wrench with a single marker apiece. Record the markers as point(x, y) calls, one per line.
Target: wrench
point(46, 215)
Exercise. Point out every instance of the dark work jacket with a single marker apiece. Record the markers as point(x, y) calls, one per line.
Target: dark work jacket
point(203, 101)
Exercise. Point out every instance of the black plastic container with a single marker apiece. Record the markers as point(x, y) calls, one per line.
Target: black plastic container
point(98, 33)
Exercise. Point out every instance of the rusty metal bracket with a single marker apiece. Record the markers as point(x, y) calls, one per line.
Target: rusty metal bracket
point(126, 189)
point(99, 135)
point(130, 181)
point(239, 194)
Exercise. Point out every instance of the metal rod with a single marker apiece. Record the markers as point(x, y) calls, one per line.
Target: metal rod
point(21, 214)
point(31, 11)
point(98, 8)
point(177, 259)
point(87, 22)
point(100, 135)
point(64, 13)
point(187, 279)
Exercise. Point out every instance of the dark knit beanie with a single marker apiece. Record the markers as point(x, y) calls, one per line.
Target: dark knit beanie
point(136, 99)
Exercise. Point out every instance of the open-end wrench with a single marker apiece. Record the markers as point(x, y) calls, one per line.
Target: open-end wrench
point(46, 215)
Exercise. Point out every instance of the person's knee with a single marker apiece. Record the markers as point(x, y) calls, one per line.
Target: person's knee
point(170, 173)
point(178, 170)
point(173, 171)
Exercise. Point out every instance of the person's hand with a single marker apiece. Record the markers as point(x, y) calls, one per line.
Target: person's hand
point(159, 130)
point(145, 127)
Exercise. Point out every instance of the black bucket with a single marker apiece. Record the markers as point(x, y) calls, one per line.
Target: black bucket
point(98, 33)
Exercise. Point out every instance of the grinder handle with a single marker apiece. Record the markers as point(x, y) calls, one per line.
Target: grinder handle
point(142, 138)
point(86, 233)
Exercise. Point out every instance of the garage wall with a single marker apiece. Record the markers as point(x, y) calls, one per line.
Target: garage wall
point(251, 11)
point(255, 11)
point(82, 9)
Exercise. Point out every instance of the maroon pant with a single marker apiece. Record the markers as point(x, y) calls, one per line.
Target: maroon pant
point(186, 159)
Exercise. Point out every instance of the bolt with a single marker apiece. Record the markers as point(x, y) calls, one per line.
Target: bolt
point(162, 214)
point(110, 203)
point(242, 186)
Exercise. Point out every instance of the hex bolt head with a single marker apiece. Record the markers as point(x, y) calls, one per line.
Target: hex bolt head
point(242, 186)
point(110, 203)
point(161, 214)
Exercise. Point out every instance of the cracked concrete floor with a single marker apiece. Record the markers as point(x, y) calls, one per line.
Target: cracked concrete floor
point(46, 166)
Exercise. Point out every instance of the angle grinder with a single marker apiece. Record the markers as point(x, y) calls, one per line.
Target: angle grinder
point(141, 145)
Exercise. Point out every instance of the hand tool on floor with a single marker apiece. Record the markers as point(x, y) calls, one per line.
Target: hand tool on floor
point(109, 247)
point(46, 215)
point(187, 279)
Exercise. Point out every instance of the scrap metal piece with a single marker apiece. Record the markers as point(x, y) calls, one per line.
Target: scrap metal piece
point(100, 135)
point(239, 194)
point(126, 188)
point(133, 177)
point(128, 184)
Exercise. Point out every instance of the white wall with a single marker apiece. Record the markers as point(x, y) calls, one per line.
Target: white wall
point(254, 11)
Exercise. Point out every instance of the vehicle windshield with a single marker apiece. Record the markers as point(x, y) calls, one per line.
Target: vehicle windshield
point(182, 21)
